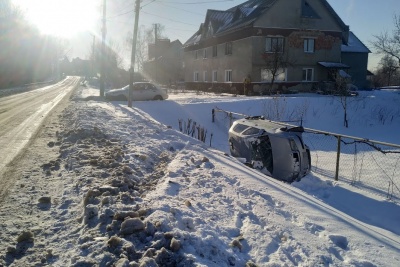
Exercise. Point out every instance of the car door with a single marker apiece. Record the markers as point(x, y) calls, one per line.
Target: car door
point(149, 91)
point(138, 93)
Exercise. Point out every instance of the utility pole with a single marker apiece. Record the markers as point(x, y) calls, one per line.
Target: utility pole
point(103, 51)
point(156, 51)
point(93, 55)
point(133, 55)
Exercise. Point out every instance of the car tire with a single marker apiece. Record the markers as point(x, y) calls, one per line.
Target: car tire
point(158, 97)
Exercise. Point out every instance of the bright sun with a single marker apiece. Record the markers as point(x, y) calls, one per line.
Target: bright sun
point(62, 18)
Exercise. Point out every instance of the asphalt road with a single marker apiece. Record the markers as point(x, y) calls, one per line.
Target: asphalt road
point(21, 115)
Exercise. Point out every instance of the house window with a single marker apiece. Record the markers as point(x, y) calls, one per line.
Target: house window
point(308, 75)
point(228, 48)
point(215, 76)
point(309, 45)
point(196, 76)
point(280, 75)
point(205, 53)
point(274, 44)
point(228, 75)
point(215, 51)
point(205, 76)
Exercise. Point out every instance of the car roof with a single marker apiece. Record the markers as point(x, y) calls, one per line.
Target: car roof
point(268, 126)
point(261, 124)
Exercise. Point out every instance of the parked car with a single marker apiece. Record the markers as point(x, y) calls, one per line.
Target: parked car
point(276, 150)
point(141, 91)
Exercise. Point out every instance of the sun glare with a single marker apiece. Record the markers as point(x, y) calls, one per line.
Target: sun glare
point(62, 18)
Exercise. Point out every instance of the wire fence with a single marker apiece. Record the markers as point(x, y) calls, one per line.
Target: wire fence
point(371, 166)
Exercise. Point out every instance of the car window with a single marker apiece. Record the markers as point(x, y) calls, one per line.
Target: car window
point(138, 87)
point(251, 131)
point(240, 128)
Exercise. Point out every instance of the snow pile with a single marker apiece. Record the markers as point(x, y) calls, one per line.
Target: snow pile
point(130, 191)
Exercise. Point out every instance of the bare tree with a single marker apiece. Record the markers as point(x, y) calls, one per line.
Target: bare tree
point(342, 92)
point(145, 37)
point(275, 61)
point(389, 44)
point(388, 68)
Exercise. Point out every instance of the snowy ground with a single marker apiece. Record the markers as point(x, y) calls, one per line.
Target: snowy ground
point(106, 184)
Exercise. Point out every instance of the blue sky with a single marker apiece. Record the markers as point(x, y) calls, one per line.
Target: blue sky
point(367, 18)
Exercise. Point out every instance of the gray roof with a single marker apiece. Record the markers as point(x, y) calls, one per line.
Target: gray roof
point(236, 17)
point(354, 45)
point(333, 65)
point(245, 14)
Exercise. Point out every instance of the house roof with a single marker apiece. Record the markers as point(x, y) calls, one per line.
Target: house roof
point(333, 65)
point(231, 19)
point(354, 45)
point(245, 14)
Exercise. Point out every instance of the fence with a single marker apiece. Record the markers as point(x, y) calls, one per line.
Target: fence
point(366, 164)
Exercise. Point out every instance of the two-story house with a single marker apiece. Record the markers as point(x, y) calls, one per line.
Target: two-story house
point(245, 41)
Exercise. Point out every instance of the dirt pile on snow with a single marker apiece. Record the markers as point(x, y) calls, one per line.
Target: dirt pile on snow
point(94, 214)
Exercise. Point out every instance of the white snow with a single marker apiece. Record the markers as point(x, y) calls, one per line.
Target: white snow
point(200, 206)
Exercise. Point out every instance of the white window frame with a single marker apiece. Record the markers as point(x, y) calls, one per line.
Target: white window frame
point(309, 45)
point(215, 76)
point(269, 43)
point(205, 75)
point(228, 76)
point(196, 76)
point(204, 53)
point(307, 70)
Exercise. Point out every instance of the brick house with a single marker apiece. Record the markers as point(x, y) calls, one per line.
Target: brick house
point(235, 44)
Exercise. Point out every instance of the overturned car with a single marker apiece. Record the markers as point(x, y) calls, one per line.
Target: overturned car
point(276, 150)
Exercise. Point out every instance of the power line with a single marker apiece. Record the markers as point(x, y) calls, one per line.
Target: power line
point(160, 3)
point(119, 15)
point(168, 18)
point(175, 29)
point(198, 3)
point(147, 4)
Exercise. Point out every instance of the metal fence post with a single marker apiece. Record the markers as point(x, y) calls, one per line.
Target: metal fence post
point(213, 115)
point(339, 138)
point(230, 118)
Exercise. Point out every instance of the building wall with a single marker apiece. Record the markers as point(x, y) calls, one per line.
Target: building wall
point(358, 63)
point(167, 67)
point(240, 62)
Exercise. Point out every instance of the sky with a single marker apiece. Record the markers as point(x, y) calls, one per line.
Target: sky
point(80, 20)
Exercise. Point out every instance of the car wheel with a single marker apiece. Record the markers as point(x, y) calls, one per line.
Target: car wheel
point(158, 97)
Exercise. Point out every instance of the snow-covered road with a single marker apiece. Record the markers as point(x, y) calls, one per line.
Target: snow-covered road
point(22, 114)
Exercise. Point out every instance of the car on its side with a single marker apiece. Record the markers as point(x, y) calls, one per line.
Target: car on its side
point(276, 150)
point(142, 91)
